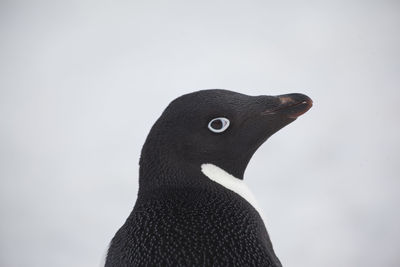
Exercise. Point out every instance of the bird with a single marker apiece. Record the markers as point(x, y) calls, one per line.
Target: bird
point(193, 207)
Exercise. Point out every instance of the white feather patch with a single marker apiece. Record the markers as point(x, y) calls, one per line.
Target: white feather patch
point(230, 182)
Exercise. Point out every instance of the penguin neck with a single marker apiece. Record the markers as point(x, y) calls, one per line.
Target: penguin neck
point(161, 168)
point(164, 169)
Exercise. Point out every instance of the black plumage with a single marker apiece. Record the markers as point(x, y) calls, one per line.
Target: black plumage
point(181, 217)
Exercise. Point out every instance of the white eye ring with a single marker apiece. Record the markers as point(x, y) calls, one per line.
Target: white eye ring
point(225, 124)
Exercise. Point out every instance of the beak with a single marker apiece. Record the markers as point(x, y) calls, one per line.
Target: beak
point(290, 106)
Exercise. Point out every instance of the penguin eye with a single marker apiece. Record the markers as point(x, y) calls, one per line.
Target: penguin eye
point(218, 125)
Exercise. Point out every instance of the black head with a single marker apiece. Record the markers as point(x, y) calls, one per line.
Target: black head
point(186, 136)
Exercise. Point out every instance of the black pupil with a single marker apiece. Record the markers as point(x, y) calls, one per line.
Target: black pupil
point(216, 124)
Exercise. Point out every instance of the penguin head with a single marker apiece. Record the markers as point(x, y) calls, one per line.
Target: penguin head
point(220, 127)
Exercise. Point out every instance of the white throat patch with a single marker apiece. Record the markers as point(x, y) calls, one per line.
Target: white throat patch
point(230, 182)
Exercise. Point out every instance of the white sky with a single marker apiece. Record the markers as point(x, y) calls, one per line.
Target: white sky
point(82, 82)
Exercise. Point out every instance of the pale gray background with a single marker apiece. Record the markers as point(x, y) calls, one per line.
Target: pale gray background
point(83, 81)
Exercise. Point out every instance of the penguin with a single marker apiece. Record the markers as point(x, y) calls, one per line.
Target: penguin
point(193, 207)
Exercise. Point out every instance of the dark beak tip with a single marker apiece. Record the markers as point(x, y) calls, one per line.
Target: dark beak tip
point(295, 105)
point(308, 102)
